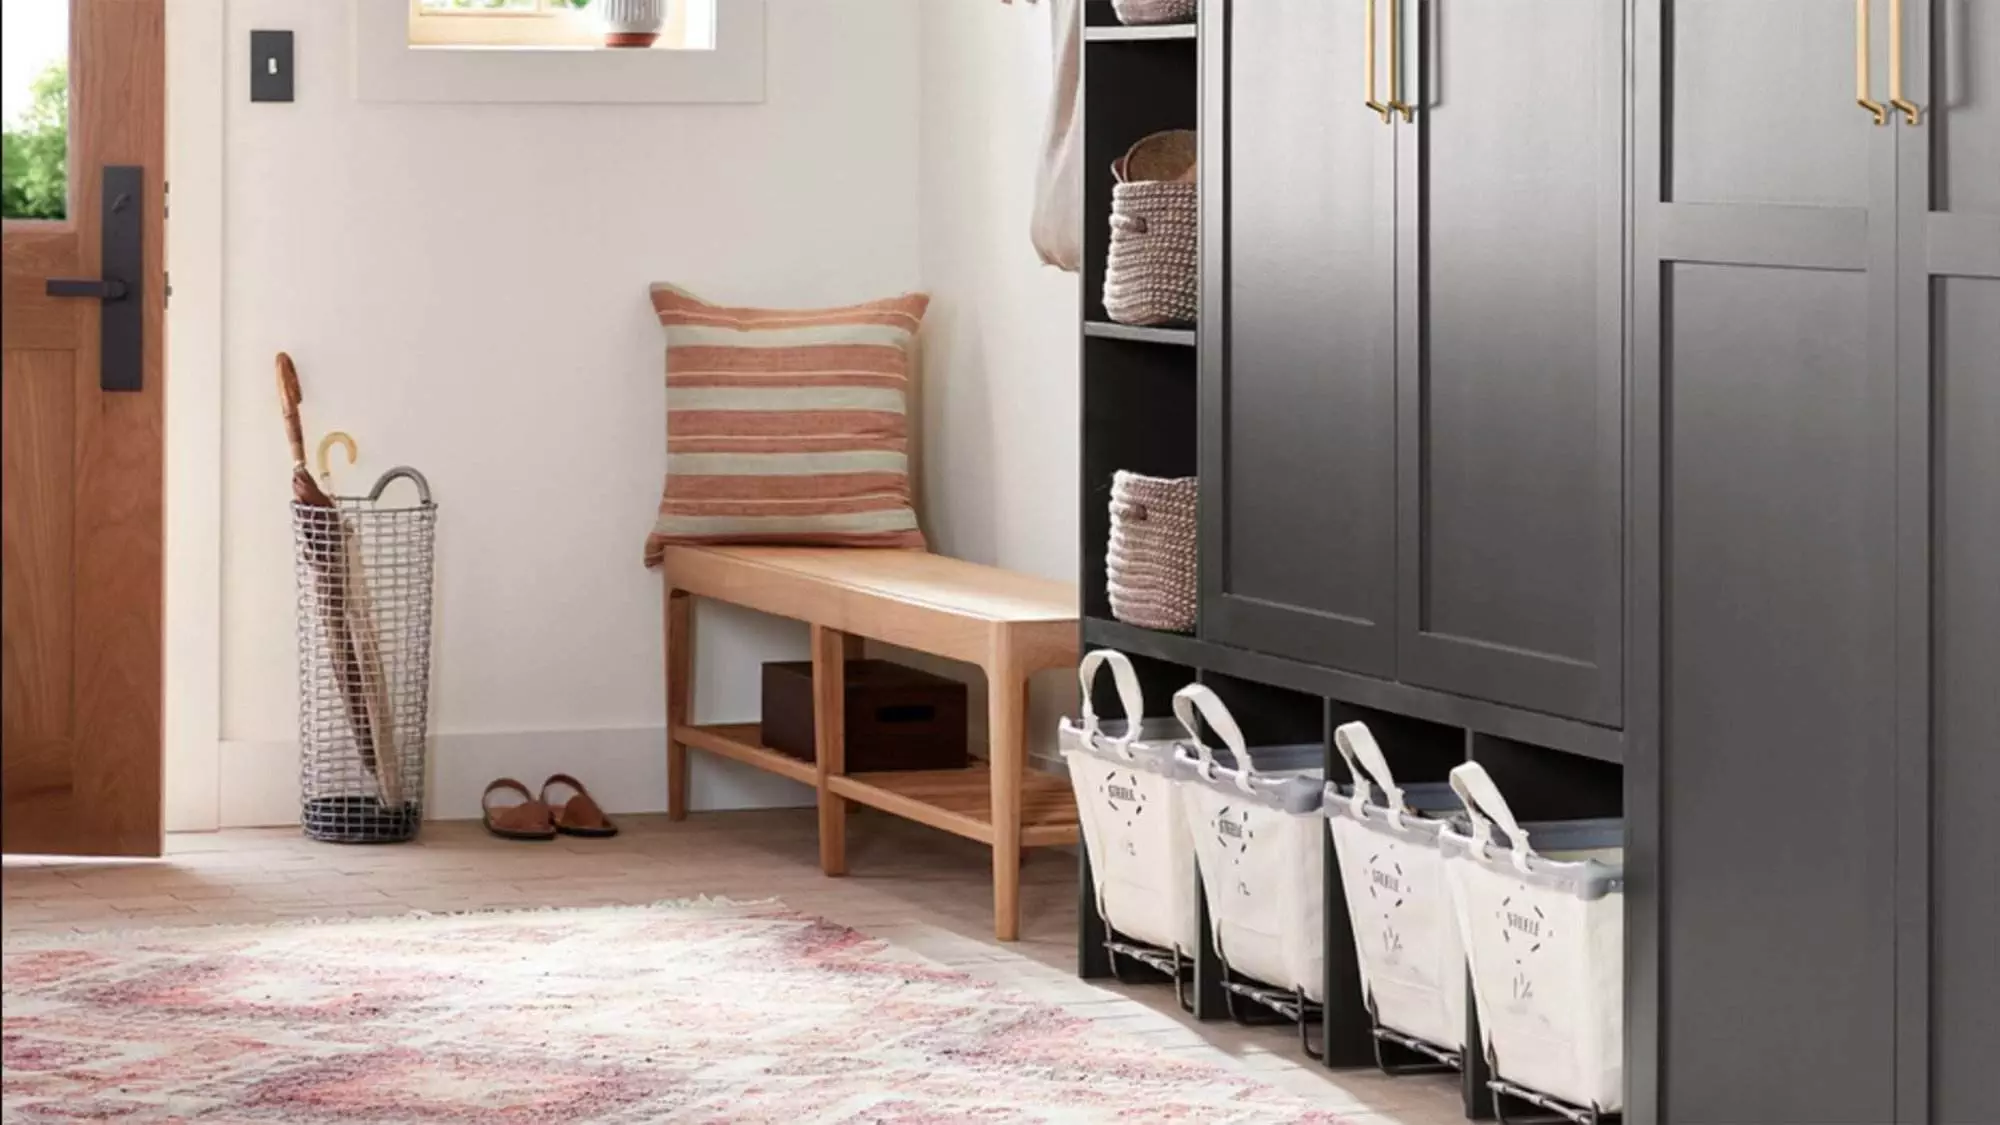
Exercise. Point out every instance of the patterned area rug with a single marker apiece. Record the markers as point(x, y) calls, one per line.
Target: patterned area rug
point(698, 1012)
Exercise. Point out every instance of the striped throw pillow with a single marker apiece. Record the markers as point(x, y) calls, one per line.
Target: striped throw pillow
point(787, 426)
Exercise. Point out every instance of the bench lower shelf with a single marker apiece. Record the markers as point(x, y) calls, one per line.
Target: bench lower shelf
point(956, 801)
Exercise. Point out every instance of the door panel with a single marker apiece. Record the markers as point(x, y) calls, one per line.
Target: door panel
point(1773, 466)
point(1950, 363)
point(1764, 107)
point(1299, 390)
point(80, 755)
point(1512, 357)
point(1965, 109)
point(1965, 986)
point(1779, 579)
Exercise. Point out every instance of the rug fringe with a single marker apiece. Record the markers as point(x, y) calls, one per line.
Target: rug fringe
point(27, 940)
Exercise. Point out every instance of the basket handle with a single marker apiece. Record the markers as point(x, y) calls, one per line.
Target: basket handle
point(1130, 696)
point(1128, 224)
point(1202, 698)
point(1364, 759)
point(1482, 800)
point(402, 472)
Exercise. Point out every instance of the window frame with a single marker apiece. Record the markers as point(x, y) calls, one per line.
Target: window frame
point(387, 68)
point(550, 24)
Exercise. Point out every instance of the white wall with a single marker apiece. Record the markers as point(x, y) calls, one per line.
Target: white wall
point(1000, 342)
point(463, 288)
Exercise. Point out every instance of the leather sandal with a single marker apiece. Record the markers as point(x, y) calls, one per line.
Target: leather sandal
point(579, 815)
point(529, 820)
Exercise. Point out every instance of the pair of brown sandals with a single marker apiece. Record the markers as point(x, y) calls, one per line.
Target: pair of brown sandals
point(542, 818)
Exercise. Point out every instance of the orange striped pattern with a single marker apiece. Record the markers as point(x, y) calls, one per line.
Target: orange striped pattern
point(787, 426)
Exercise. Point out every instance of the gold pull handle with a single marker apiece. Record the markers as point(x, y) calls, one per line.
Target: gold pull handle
point(1372, 103)
point(1861, 97)
point(1911, 112)
point(1396, 101)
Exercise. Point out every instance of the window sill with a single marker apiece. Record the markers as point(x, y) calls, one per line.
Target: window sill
point(388, 69)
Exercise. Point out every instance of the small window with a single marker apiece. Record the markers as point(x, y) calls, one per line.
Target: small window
point(559, 24)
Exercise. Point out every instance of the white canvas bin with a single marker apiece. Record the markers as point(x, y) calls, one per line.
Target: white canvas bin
point(1405, 931)
point(1129, 808)
point(1256, 826)
point(1541, 908)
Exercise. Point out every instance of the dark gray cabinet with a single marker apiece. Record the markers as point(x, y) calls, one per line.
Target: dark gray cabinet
point(1816, 444)
point(1413, 344)
point(1298, 420)
point(1510, 356)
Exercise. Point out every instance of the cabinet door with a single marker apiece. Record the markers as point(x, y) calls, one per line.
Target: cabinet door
point(1298, 384)
point(1510, 230)
point(1770, 554)
point(1949, 338)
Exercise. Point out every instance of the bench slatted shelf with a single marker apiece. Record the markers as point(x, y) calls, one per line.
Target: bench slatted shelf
point(1010, 625)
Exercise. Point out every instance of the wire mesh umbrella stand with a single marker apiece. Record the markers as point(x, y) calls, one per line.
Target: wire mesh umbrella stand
point(365, 570)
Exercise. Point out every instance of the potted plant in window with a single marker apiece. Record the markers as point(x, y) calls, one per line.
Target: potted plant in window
point(630, 23)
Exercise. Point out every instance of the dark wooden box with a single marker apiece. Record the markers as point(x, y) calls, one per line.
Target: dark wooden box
point(898, 718)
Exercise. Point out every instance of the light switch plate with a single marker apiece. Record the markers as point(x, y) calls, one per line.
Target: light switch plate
point(270, 66)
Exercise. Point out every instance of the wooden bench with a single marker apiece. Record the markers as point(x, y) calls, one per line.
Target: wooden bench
point(1010, 625)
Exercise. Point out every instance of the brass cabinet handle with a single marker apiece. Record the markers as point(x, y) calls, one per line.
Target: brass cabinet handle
point(1372, 103)
point(1861, 97)
point(1911, 112)
point(1396, 101)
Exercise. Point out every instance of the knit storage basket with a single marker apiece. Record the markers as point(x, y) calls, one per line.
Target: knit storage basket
point(1151, 269)
point(1385, 839)
point(1150, 564)
point(1541, 908)
point(1134, 829)
point(1154, 11)
point(1255, 819)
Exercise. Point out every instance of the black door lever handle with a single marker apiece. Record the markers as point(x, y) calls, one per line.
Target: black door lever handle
point(110, 289)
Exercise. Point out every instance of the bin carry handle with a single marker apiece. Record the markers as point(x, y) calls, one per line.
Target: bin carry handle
point(402, 472)
point(1202, 698)
point(1364, 759)
point(1129, 695)
point(1482, 800)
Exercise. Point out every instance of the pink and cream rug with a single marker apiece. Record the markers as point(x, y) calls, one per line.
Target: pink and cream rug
point(699, 1012)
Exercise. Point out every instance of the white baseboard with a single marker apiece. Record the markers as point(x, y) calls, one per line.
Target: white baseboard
point(626, 771)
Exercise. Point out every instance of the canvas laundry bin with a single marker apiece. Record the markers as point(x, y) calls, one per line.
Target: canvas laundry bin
point(1541, 908)
point(1255, 820)
point(1141, 858)
point(1405, 931)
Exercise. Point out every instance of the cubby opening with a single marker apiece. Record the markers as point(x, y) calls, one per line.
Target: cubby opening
point(1287, 723)
point(1132, 89)
point(1417, 750)
point(1544, 784)
point(1139, 415)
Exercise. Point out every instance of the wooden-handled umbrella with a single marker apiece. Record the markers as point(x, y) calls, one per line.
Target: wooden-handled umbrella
point(333, 558)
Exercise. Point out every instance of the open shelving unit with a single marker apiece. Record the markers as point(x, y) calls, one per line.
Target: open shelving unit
point(1144, 391)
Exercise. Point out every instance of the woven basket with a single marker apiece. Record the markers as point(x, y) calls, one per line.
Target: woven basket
point(1151, 563)
point(1150, 271)
point(1154, 11)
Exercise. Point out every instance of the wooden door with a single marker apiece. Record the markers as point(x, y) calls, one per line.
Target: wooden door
point(1297, 376)
point(1772, 547)
point(82, 480)
point(1948, 162)
point(1510, 353)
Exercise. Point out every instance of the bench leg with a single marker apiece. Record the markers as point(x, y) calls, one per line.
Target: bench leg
point(1006, 710)
point(829, 655)
point(680, 660)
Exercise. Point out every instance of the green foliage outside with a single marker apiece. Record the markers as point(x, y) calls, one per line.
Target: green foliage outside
point(34, 168)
